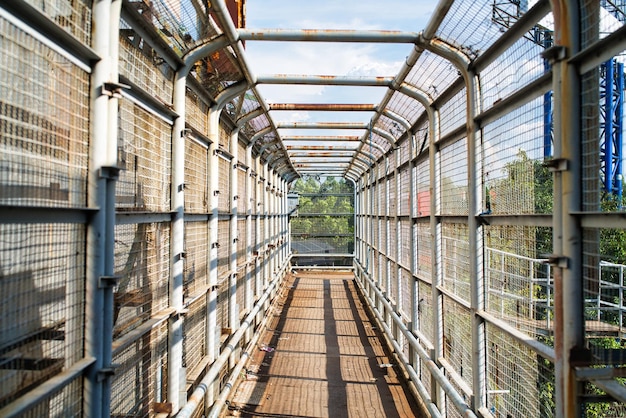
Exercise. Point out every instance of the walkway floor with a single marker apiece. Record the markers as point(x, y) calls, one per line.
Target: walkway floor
point(321, 357)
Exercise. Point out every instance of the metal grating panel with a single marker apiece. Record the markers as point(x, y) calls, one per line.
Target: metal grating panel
point(195, 273)
point(453, 196)
point(224, 172)
point(145, 156)
point(140, 381)
point(142, 261)
point(151, 74)
point(456, 334)
point(516, 180)
point(195, 335)
point(43, 266)
point(44, 110)
point(455, 255)
point(223, 249)
point(73, 16)
point(196, 112)
point(196, 176)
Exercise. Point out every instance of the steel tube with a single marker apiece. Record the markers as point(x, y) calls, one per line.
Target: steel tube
point(324, 80)
point(327, 35)
point(322, 125)
point(331, 107)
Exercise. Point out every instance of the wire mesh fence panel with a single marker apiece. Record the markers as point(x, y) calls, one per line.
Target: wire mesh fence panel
point(43, 266)
point(404, 199)
point(194, 342)
point(242, 254)
point(423, 250)
point(241, 290)
point(196, 263)
point(393, 282)
point(44, 111)
point(222, 305)
point(405, 236)
point(519, 286)
point(224, 139)
point(196, 112)
point(67, 402)
point(144, 68)
point(393, 198)
point(196, 176)
point(406, 294)
point(453, 113)
point(74, 17)
point(455, 259)
point(520, 382)
point(518, 66)
point(242, 194)
point(425, 314)
point(516, 180)
point(457, 330)
point(421, 179)
point(141, 379)
point(471, 23)
point(223, 249)
point(453, 179)
point(144, 145)
point(142, 262)
point(224, 172)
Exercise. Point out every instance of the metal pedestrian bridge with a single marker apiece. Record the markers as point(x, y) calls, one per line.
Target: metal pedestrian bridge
point(444, 238)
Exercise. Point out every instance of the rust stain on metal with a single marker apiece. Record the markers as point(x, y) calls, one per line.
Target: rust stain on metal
point(353, 107)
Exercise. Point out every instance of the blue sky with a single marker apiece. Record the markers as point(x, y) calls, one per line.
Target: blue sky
point(330, 59)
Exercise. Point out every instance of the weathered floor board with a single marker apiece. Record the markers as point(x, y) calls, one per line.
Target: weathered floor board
point(321, 357)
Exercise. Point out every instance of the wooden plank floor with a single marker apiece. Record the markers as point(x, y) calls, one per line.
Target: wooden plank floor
point(321, 357)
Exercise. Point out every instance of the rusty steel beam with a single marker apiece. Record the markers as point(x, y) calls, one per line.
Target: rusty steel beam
point(328, 35)
point(322, 125)
point(336, 138)
point(319, 148)
point(325, 80)
point(332, 107)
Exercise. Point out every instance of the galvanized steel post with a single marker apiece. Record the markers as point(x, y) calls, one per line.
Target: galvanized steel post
point(567, 233)
point(100, 230)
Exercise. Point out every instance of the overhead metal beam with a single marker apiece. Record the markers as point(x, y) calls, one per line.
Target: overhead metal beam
point(337, 138)
point(328, 35)
point(325, 80)
point(321, 107)
point(321, 125)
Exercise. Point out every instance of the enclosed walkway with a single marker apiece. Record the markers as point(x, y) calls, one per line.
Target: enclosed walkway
point(165, 165)
point(321, 355)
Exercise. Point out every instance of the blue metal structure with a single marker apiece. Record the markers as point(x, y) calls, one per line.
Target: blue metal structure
point(611, 134)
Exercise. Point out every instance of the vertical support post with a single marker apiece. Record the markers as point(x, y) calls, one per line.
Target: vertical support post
point(476, 248)
point(176, 373)
point(233, 311)
point(249, 189)
point(437, 392)
point(265, 209)
point(99, 261)
point(568, 279)
point(234, 237)
point(212, 329)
